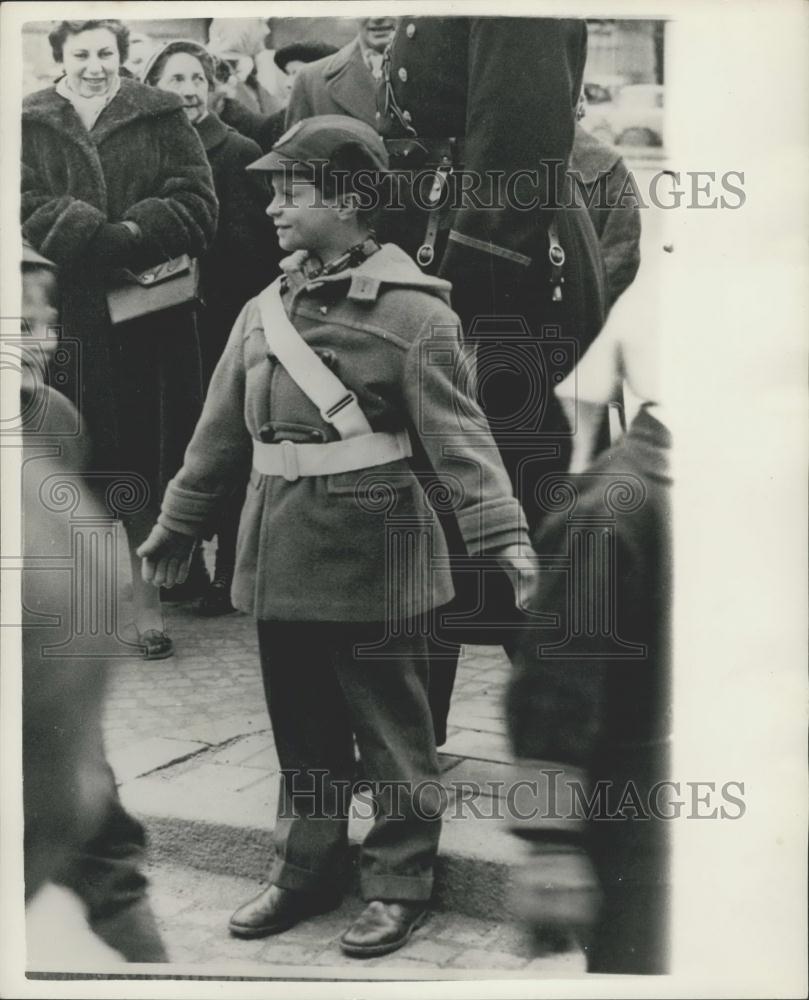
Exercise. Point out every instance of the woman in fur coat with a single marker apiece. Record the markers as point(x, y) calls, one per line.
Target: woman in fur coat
point(114, 176)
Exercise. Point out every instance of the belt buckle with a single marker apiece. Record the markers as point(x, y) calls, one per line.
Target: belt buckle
point(289, 454)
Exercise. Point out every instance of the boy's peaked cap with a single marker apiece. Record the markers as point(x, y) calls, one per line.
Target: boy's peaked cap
point(318, 139)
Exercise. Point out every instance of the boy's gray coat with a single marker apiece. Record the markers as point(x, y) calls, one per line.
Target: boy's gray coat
point(357, 546)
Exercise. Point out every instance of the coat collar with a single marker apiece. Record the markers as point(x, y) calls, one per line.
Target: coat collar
point(212, 131)
point(134, 100)
point(349, 81)
point(390, 266)
point(591, 158)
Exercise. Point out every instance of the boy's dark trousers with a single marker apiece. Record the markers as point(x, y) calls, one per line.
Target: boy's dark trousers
point(321, 693)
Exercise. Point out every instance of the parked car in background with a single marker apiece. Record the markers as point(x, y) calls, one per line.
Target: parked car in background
point(599, 90)
point(630, 115)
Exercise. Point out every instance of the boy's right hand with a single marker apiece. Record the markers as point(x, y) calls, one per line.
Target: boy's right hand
point(166, 557)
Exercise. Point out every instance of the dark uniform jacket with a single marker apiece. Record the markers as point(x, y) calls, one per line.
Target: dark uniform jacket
point(507, 88)
point(317, 548)
point(140, 385)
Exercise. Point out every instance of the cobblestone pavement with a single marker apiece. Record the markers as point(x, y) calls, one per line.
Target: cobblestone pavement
point(214, 678)
point(193, 911)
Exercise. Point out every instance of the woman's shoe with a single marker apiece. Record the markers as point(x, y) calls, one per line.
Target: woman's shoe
point(156, 645)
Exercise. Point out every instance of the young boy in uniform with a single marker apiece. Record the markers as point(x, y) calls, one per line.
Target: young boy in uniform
point(329, 379)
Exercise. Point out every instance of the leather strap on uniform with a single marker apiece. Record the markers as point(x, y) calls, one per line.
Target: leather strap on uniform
point(556, 255)
point(338, 406)
point(426, 252)
point(391, 104)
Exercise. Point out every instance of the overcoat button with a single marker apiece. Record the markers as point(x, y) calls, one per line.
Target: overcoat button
point(407, 116)
point(403, 74)
point(410, 30)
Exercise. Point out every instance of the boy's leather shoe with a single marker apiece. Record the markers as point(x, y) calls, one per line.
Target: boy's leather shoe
point(275, 909)
point(382, 928)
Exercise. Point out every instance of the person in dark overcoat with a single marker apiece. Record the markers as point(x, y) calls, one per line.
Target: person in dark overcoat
point(290, 59)
point(477, 96)
point(113, 176)
point(265, 130)
point(242, 260)
point(602, 173)
point(239, 262)
point(343, 83)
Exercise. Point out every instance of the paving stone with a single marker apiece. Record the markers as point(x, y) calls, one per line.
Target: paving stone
point(569, 963)
point(483, 708)
point(209, 790)
point(231, 947)
point(513, 939)
point(333, 956)
point(425, 950)
point(480, 745)
point(447, 761)
point(280, 952)
point(168, 906)
point(474, 958)
point(490, 775)
point(466, 933)
point(141, 758)
point(257, 750)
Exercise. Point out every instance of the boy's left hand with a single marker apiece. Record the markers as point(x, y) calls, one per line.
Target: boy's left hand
point(166, 557)
point(520, 563)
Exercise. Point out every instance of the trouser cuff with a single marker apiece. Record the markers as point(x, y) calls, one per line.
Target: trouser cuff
point(289, 876)
point(396, 888)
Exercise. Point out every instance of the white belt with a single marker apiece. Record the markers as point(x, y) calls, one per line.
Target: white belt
point(292, 460)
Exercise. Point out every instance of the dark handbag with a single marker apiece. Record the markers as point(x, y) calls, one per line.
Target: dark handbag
point(175, 282)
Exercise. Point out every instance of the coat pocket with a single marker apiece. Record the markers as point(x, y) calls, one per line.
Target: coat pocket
point(377, 487)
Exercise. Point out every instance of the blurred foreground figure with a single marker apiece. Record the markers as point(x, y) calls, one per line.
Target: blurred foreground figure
point(77, 833)
point(594, 693)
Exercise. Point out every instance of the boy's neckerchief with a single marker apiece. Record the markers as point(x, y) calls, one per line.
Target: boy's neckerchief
point(310, 267)
point(353, 257)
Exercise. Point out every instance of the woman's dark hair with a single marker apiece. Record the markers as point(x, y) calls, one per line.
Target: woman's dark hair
point(60, 32)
